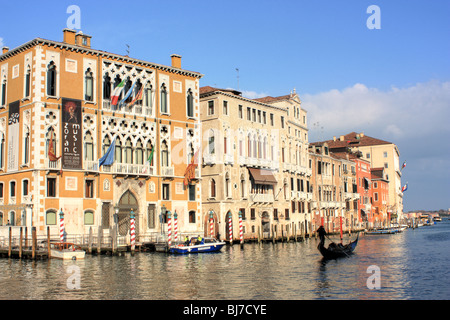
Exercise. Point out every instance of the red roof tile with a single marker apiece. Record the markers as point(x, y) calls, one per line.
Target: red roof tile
point(354, 139)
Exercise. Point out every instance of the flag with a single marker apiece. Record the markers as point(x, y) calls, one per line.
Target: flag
point(405, 187)
point(137, 98)
point(108, 158)
point(190, 170)
point(51, 150)
point(116, 93)
point(149, 160)
point(128, 94)
point(404, 165)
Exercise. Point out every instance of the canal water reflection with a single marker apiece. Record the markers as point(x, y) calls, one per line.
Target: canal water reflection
point(413, 265)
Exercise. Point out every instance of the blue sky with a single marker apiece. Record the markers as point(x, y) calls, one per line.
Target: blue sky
point(392, 83)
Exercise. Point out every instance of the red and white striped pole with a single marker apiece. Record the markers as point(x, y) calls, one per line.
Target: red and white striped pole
point(211, 225)
point(61, 226)
point(241, 233)
point(230, 229)
point(169, 229)
point(175, 226)
point(132, 230)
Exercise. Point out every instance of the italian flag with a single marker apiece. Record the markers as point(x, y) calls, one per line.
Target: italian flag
point(116, 94)
point(149, 160)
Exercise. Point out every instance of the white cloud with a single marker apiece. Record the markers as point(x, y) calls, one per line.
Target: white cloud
point(253, 94)
point(415, 118)
point(1, 42)
point(415, 111)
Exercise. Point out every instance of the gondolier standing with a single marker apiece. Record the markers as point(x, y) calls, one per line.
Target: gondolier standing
point(322, 234)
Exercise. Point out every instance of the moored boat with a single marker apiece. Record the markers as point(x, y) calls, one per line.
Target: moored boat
point(66, 251)
point(383, 231)
point(207, 245)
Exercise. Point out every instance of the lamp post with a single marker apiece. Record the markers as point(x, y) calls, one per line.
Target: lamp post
point(116, 223)
point(161, 218)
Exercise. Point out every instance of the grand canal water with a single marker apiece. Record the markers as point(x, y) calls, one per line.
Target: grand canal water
point(413, 265)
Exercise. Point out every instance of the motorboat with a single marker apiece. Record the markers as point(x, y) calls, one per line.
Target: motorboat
point(66, 251)
point(194, 246)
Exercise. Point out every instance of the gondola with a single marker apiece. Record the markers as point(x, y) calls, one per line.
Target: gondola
point(334, 250)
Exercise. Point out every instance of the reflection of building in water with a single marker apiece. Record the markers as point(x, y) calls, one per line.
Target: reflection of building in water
point(76, 105)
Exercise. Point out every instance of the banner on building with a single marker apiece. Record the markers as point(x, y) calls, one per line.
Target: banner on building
point(13, 136)
point(72, 135)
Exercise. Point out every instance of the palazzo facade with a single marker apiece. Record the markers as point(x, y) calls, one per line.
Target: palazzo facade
point(255, 164)
point(64, 106)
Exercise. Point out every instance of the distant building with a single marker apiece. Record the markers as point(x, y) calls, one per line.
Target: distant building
point(378, 153)
point(380, 197)
point(328, 189)
point(59, 117)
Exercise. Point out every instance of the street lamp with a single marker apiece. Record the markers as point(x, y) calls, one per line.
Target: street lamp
point(116, 214)
point(116, 225)
point(161, 218)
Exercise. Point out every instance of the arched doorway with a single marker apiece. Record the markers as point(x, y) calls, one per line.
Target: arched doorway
point(127, 203)
point(229, 226)
point(265, 225)
point(207, 225)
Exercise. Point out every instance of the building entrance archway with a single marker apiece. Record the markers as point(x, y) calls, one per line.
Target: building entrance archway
point(265, 225)
point(207, 225)
point(127, 203)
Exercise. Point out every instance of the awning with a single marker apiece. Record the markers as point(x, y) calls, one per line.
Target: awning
point(262, 176)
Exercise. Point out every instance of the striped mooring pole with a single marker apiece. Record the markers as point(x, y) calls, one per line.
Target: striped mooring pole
point(211, 224)
point(175, 226)
point(169, 228)
point(61, 226)
point(230, 229)
point(132, 230)
point(241, 233)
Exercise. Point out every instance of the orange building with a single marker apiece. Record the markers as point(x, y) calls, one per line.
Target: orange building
point(380, 197)
point(364, 187)
point(58, 119)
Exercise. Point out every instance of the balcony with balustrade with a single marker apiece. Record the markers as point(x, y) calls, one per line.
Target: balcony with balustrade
point(262, 197)
point(136, 109)
point(126, 169)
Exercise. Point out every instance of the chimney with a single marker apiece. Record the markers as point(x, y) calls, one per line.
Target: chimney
point(361, 134)
point(341, 138)
point(176, 61)
point(5, 50)
point(69, 36)
point(83, 40)
point(334, 138)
